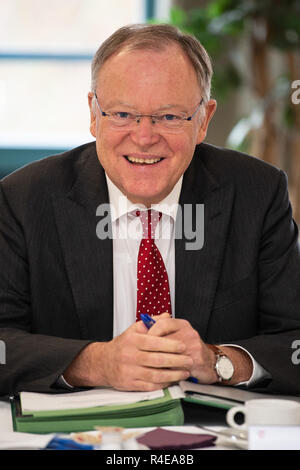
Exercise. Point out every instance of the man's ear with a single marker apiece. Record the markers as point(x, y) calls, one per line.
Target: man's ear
point(210, 109)
point(92, 114)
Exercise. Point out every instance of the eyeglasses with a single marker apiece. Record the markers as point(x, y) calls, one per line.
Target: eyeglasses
point(163, 120)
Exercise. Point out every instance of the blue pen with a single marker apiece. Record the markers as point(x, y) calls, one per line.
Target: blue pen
point(148, 322)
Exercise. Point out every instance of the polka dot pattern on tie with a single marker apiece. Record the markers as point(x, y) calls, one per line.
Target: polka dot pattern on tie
point(153, 292)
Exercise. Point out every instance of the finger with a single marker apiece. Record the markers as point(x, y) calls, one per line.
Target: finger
point(161, 316)
point(159, 344)
point(161, 376)
point(141, 327)
point(140, 385)
point(168, 326)
point(142, 378)
point(165, 360)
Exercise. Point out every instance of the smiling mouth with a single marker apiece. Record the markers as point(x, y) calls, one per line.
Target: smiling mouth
point(142, 161)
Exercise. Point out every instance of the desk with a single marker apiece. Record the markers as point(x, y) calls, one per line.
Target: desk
point(6, 425)
point(5, 417)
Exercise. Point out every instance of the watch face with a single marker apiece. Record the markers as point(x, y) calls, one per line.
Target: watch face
point(224, 368)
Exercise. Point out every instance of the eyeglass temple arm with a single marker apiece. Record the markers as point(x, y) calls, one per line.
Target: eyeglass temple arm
point(196, 111)
point(102, 112)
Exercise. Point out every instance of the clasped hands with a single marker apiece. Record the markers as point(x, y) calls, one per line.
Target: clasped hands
point(141, 359)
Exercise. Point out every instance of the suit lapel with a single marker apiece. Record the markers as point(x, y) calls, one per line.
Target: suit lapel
point(88, 260)
point(197, 271)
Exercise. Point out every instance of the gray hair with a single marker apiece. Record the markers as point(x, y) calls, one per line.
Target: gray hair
point(156, 37)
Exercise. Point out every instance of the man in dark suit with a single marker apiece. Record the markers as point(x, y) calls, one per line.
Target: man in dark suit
point(68, 291)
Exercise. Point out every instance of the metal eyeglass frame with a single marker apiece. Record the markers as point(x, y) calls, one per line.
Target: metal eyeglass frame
point(152, 116)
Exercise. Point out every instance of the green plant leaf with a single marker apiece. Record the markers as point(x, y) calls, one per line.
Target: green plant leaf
point(178, 16)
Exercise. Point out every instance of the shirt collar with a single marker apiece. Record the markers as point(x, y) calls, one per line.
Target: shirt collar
point(121, 205)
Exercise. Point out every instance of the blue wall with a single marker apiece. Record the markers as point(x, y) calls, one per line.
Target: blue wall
point(13, 158)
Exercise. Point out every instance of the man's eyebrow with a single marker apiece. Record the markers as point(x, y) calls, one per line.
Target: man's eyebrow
point(165, 107)
point(110, 104)
point(172, 106)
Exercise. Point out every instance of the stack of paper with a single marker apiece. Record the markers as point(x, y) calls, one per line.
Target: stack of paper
point(82, 411)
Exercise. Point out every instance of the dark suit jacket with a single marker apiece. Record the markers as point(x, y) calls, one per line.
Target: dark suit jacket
point(56, 276)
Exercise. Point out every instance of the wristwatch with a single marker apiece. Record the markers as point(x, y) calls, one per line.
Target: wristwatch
point(223, 366)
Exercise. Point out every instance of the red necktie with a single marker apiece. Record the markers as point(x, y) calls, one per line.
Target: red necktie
point(153, 292)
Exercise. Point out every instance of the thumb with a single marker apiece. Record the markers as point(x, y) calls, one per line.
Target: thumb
point(139, 327)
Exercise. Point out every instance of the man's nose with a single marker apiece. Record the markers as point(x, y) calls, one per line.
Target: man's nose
point(144, 132)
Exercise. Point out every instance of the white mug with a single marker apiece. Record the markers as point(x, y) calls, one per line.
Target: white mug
point(266, 411)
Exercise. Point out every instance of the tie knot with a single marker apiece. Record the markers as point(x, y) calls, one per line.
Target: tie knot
point(149, 220)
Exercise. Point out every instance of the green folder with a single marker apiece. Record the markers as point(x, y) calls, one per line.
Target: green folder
point(164, 411)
